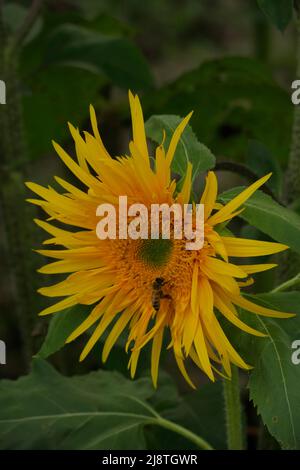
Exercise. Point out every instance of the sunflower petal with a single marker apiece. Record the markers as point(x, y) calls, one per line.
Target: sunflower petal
point(237, 201)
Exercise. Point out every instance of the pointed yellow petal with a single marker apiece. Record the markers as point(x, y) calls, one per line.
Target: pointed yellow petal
point(63, 304)
point(242, 247)
point(155, 355)
point(232, 317)
point(80, 147)
point(200, 347)
point(72, 189)
point(175, 139)
point(82, 175)
point(96, 131)
point(133, 361)
point(227, 269)
point(138, 126)
point(247, 283)
point(210, 194)
point(206, 300)
point(115, 333)
point(51, 229)
point(183, 371)
point(227, 282)
point(257, 268)
point(234, 356)
point(95, 314)
point(184, 195)
point(254, 308)
point(104, 323)
point(70, 266)
point(236, 202)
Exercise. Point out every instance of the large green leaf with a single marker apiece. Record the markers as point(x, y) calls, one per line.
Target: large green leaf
point(116, 57)
point(98, 411)
point(101, 410)
point(280, 223)
point(234, 100)
point(188, 149)
point(203, 412)
point(275, 372)
point(279, 12)
point(274, 381)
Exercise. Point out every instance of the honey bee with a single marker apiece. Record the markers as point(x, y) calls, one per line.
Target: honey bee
point(157, 293)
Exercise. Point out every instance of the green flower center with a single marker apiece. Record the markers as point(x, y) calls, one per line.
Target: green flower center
point(155, 252)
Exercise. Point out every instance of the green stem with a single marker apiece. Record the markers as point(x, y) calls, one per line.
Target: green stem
point(12, 191)
point(289, 261)
point(294, 281)
point(233, 411)
point(292, 187)
point(20, 35)
point(171, 426)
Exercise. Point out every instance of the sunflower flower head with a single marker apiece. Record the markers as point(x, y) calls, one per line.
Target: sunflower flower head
point(151, 288)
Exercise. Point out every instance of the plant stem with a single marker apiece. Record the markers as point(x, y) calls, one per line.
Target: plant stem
point(292, 187)
point(26, 26)
point(12, 190)
point(294, 281)
point(199, 441)
point(233, 411)
point(289, 261)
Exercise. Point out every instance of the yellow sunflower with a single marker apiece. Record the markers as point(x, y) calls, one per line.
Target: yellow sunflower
point(116, 277)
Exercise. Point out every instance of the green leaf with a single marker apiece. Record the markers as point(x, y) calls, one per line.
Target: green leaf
point(188, 149)
point(48, 411)
point(203, 412)
point(279, 12)
point(233, 99)
point(101, 410)
point(274, 381)
point(61, 325)
point(280, 223)
point(116, 57)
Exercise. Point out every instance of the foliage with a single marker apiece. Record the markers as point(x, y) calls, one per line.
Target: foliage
point(234, 100)
point(74, 59)
point(262, 212)
point(272, 382)
point(188, 149)
point(79, 53)
point(101, 410)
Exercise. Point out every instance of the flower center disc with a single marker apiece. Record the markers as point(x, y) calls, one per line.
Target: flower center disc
point(155, 253)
